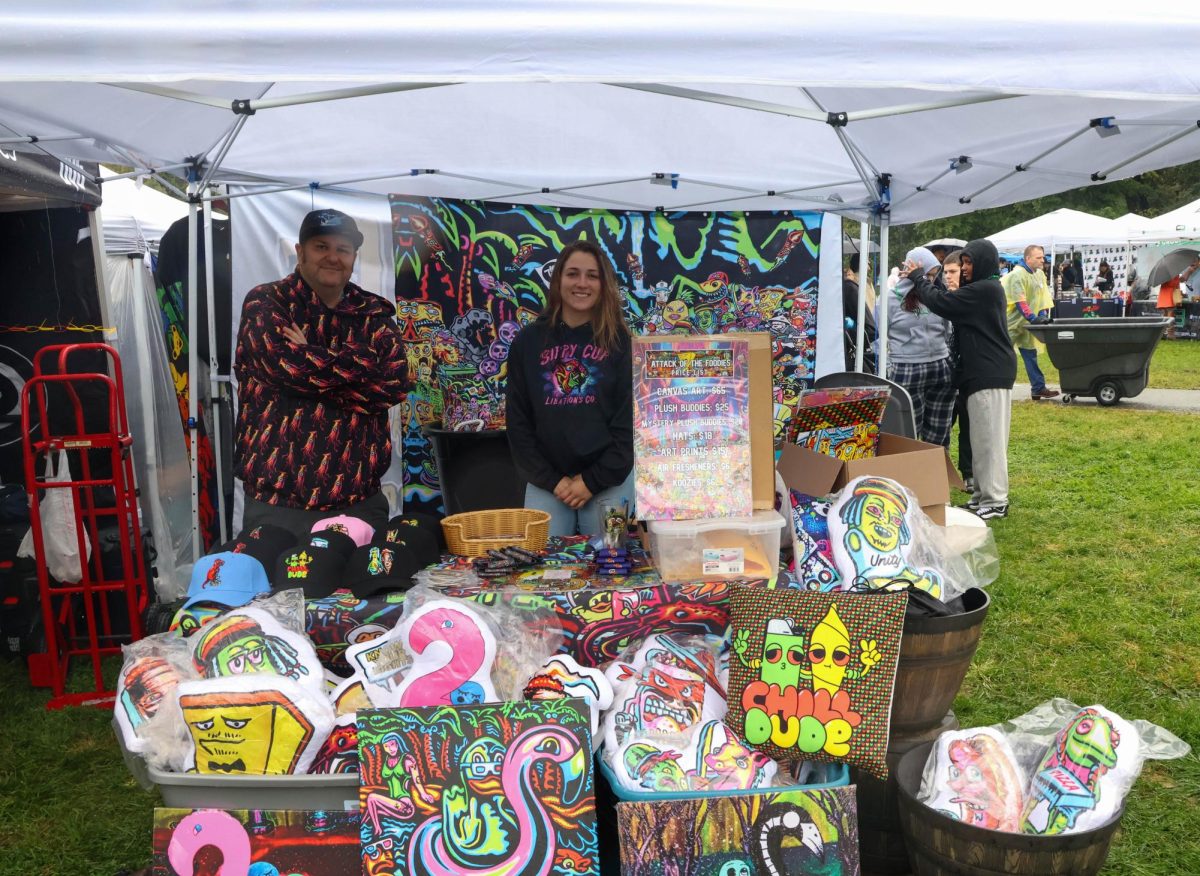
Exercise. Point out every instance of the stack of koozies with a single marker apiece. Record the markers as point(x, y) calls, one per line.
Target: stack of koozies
point(612, 562)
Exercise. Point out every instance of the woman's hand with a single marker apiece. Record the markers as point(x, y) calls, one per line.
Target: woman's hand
point(578, 494)
point(910, 269)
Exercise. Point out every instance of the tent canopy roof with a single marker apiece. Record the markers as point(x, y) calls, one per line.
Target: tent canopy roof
point(617, 104)
point(135, 216)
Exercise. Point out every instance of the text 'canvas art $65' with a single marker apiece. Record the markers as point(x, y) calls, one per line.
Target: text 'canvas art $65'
point(811, 674)
point(498, 788)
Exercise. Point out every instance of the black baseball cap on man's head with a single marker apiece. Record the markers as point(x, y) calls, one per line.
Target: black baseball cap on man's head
point(320, 222)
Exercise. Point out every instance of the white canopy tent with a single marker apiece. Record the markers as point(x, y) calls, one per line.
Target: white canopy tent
point(866, 110)
point(1061, 229)
point(1178, 224)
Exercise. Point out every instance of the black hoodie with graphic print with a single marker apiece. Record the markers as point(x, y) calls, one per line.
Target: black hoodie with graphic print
point(569, 406)
point(978, 311)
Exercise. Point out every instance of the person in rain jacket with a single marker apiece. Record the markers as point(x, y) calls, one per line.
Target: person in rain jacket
point(1029, 301)
point(989, 365)
point(919, 354)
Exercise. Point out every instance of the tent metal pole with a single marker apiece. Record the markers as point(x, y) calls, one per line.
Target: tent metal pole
point(905, 108)
point(761, 106)
point(214, 389)
point(1161, 144)
point(148, 171)
point(851, 151)
point(173, 93)
point(864, 272)
point(555, 190)
point(826, 205)
point(223, 151)
point(264, 103)
point(193, 438)
point(1020, 168)
point(881, 300)
point(33, 138)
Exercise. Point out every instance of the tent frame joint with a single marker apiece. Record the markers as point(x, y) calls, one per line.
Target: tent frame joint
point(837, 120)
point(243, 107)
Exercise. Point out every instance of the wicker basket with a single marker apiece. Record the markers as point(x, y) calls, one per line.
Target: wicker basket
point(474, 533)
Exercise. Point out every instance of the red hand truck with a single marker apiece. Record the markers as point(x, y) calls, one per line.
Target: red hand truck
point(78, 616)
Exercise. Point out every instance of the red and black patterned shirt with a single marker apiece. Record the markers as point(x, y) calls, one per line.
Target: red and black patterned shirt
point(312, 424)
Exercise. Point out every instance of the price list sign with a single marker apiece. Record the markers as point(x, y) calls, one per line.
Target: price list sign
point(691, 428)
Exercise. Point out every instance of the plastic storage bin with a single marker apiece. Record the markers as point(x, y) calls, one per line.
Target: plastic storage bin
point(195, 791)
point(717, 550)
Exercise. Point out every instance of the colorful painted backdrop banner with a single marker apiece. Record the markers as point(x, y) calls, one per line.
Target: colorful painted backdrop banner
point(470, 274)
point(691, 429)
point(786, 833)
point(488, 789)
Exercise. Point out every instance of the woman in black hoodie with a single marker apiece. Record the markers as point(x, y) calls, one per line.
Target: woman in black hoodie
point(989, 366)
point(570, 396)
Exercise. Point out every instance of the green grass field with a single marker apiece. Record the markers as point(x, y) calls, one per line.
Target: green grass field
point(1097, 602)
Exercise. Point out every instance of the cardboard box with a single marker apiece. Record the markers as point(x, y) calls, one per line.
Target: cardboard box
point(924, 468)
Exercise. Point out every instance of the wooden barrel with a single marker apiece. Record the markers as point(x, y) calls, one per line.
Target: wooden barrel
point(935, 655)
point(880, 839)
point(940, 845)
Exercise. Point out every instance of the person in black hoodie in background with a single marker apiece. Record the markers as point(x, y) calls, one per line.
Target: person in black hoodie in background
point(989, 365)
point(570, 396)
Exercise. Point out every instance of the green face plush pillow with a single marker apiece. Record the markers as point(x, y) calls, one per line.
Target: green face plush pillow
point(811, 674)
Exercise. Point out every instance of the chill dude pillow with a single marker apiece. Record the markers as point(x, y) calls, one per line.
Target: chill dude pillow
point(811, 674)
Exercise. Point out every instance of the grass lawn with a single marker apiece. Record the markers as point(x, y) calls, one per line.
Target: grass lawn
point(1097, 602)
point(1175, 365)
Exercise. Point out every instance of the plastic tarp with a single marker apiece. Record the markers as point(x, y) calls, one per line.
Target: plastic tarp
point(1059, 229)
point(618, 103)
point(160, 455)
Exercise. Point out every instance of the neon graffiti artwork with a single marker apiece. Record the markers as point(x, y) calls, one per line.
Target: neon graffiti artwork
point(469, 274)
point(491, 789)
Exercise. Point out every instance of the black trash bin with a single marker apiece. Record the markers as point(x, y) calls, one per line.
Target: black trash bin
point(1107, 358)
point(476, 470)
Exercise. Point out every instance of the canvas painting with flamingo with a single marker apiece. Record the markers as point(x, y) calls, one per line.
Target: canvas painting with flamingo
point(489, 788)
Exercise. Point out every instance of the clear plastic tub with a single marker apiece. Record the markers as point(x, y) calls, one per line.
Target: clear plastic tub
point(723, 549)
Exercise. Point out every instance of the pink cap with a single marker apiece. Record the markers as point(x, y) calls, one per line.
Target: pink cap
point(359, 530)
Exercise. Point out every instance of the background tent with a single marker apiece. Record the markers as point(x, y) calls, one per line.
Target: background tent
point(1060, 229)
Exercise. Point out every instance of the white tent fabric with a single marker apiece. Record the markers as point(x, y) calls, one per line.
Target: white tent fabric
point(135, 216)
point(585, 103)
point(1178, 224)
point(1061, 228)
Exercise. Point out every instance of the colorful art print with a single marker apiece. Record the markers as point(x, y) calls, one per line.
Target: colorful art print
point(257, 842)
point(811, 675)
point(148, 678)
point(691, 429)
point(859, 441)
point(498, 788)
point(784, 833)
point(469, 274)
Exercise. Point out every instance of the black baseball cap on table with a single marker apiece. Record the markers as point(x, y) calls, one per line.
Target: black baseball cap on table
point(379, 568)
point(423, 545)
point(320, 222)
point(317, 571)
point(331, 539)
point(264, 542)
point(427, 522)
